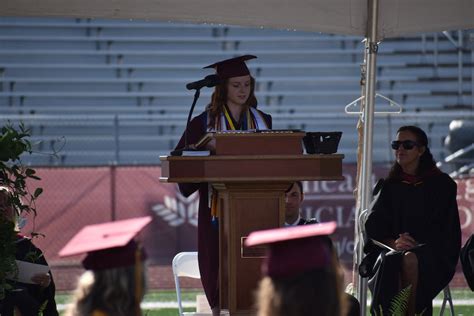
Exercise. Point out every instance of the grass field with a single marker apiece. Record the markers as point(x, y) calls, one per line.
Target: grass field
point(465, 298)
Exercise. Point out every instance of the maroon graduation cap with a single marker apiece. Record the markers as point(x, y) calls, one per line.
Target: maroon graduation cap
point(108, 245)
point(233, 67)
point(294, 250)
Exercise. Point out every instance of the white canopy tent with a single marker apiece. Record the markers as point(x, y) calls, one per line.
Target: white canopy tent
point(373, 19)
point(349, 17)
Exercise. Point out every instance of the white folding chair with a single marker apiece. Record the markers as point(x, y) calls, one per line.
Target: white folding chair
point(185, 264)
point(449, 299)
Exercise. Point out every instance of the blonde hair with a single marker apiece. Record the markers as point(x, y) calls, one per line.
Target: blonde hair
point(112, 291)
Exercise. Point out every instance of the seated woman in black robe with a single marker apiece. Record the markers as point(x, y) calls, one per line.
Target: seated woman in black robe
point(35, 297)
point(417, 205)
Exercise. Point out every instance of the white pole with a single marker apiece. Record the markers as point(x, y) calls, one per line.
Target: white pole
point(366, 173)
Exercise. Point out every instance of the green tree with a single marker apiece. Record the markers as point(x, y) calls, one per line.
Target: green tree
point(13, 176)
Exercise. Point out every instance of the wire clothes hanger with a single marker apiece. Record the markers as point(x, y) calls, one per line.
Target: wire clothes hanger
point(397, 107)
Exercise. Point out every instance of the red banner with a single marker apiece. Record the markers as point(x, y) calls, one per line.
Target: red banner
point(75, 197)
point(466, 206)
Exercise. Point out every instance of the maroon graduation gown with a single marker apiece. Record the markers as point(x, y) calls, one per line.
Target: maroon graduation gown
point(208, 232)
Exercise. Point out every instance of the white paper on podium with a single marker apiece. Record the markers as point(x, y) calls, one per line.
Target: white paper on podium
point(26, 270)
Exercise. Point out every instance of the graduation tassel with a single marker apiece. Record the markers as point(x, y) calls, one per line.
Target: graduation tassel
point(138, 280)
point(214, 220)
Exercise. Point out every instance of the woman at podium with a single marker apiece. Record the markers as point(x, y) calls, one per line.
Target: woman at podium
point(233, 107)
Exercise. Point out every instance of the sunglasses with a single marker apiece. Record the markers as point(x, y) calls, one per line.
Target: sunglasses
point(406, 144)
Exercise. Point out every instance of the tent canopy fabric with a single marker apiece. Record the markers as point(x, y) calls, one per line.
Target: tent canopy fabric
point(347, 17)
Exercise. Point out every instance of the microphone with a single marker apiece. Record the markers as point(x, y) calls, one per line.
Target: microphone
point(209, 81)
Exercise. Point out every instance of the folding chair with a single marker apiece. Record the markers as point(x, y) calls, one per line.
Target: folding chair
point(449, 299)
point(185, 264)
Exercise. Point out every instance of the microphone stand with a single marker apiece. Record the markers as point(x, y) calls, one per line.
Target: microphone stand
point(179, 152)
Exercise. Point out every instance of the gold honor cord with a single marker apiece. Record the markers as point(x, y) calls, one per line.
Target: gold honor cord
point(229, 119)
point(214, 203)
point(250, 121)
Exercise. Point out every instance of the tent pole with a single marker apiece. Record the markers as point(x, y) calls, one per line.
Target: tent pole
point(366, 172)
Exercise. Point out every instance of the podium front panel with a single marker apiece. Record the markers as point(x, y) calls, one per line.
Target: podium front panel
point(244, 209)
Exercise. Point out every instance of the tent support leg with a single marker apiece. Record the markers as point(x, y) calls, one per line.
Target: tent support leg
point(366, 163)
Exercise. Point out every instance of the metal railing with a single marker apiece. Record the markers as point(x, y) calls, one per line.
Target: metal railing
point(459, 157)
point(462, 46)
point(119, 136)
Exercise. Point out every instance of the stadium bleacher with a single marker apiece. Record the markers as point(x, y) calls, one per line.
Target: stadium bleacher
point(100, 91)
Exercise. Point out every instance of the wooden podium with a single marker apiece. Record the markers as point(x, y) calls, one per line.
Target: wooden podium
point(251, 196)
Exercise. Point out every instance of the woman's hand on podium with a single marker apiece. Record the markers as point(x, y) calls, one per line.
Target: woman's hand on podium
point(211, 145)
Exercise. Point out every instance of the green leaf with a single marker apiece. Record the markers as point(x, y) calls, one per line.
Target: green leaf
point(38, 192)
point(29, 172)
point(399, 304)
point(42, 308)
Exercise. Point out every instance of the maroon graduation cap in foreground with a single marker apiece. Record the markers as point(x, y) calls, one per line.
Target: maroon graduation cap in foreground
point(294, 250)
point(108, 245)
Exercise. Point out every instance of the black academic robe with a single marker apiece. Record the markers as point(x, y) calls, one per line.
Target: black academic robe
point(30, 299)
point(208, 233)
point(304, 221)
point(428, 212)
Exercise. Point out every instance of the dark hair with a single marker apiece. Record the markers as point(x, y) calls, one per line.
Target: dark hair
point(298, 183)
point(316, 292)
point(219, 99)
point(426, 163)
